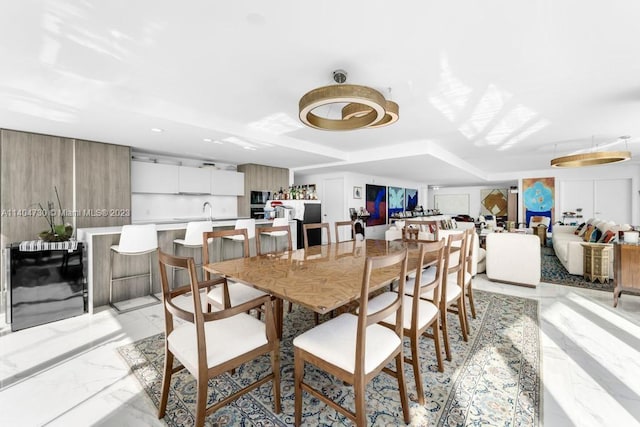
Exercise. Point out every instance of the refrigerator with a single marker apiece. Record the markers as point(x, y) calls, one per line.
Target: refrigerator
point(44, 286)
point(312, 215)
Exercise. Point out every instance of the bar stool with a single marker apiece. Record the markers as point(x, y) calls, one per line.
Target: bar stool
point(192, 240)
point(249, 225)
point(274, 234)
point(135, 240)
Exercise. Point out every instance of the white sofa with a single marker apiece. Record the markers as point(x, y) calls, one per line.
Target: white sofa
point(513, 258)
point(568, 247)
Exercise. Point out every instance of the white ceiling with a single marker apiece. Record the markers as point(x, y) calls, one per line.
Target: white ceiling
point(493, 88)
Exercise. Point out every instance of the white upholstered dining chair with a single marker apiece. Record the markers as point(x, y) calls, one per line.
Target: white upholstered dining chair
point(355, 349)
point(419, 314)
point(209, 344)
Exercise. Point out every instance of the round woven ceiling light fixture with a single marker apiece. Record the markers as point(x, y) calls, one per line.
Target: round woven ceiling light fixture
point(590, 159)
point(392, 113)
point(340, 94)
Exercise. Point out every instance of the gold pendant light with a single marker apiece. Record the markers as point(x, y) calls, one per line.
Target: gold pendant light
point(366, 107)
point(593, 158)
point(590, 159)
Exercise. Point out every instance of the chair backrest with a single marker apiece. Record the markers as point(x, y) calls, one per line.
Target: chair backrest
point(455, 262)
point(535, 221)
point(170, 309)
point(249, 224)
point(219, 234)
point(440, 250)
point(193, 235)
point(138, 238)
point(321, 226)
point(420, 230)
point(345, 226)
point(398, 262)
point(275, 231)
point(470, 246)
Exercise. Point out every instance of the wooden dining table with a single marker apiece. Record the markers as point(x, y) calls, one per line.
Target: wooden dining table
point(321, 278)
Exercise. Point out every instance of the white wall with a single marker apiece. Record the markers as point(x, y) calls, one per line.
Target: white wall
point(352, 180)
point(622, 171)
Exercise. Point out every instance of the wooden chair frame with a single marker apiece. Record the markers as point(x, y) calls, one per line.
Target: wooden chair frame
point(320, 225)
point(261, 230)
point(349, 224)
point(198, 318)
point(468, 284)
point(414, 332)
point(448, 306)
point(205, 259)
point(358, 378)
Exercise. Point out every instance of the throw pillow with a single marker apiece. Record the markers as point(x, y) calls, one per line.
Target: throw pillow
point(586, 236)
point(584, 230)
point(580, 227)
point(609, 237)
point(595, 235)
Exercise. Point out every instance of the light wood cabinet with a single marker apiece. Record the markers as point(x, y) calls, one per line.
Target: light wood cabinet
point(626, 266)
point(103, 183)
point(260, 178)
point(154, 178)
point(227, 183)
point(194, 180)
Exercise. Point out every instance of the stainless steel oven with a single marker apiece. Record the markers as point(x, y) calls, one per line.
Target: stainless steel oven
point(259, 197)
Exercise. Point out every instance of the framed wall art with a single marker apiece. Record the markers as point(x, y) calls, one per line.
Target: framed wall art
point(376, 204)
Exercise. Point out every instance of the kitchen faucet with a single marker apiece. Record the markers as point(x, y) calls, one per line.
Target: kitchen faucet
point(204, 206)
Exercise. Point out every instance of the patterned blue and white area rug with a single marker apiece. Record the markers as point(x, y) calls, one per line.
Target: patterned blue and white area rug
point(493, 379)
point(554, 272)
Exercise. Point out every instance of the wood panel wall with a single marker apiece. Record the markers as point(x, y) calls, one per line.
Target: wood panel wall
point(103, 184)
point(260, 178)
point(31, 166)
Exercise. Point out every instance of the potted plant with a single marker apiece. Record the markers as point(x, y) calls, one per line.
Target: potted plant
point(57, 232)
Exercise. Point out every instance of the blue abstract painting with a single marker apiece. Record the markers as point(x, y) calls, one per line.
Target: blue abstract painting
point(411, 199)
point(396, 201)
point(376, 204)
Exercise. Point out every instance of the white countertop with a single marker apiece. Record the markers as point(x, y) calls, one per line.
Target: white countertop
point(161, 225)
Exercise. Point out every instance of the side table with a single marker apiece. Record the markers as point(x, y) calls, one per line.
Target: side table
point(626, 262)
point(596, 261)
point(541, 232)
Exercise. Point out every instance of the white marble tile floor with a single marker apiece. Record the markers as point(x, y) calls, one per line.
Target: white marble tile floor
point(68, 373)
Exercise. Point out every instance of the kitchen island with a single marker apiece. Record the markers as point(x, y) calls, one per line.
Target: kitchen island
point(98, 241)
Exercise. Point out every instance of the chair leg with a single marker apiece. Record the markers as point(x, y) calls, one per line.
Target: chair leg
point(298, 373)
point(463, 319)
point(166, 382)
point(151, 273)
point(445, 333)
point(415, 362)
point(402, 387)
point(275, 368)
point(359, 390)
point(111, 253)
point(436, 342)
point(201, 398)
point(472, 305)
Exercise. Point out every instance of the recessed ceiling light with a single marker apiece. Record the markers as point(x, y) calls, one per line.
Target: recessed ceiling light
point(157, 130)
point(249, 148)
point(208, 140)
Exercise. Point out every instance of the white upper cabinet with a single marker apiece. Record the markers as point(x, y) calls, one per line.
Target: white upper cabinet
point(227, 183)
point(154, 178)
point(195, 180)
